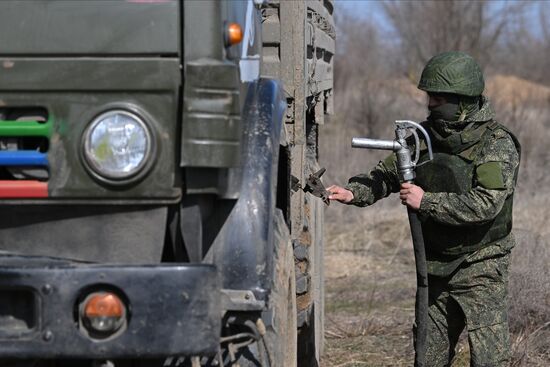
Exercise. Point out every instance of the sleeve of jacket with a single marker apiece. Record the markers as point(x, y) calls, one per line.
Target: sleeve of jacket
point(375, 185)
point(494, 181)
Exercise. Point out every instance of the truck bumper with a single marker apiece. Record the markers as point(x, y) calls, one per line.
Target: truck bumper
point(172, 309)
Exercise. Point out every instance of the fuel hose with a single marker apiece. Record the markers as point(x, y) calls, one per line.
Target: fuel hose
point(421, 301)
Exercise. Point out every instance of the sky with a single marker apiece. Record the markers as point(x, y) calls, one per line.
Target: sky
point(364, 9)
point(372, 9)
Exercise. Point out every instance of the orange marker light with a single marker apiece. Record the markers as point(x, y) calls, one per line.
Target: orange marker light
point(103, 312)
point(104, 305)
point(234, 34)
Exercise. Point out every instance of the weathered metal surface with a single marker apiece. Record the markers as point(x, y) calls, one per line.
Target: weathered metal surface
point(91, 27)
point(299, 39)
point(313, 185)
point(240, 300)
point(316, 187)
point(211, 110)
point(212, 129)
point(202, 23)
point(299, 48)
point(174, 309)
point(243, 248)
point(64, 74)
point(108, 234)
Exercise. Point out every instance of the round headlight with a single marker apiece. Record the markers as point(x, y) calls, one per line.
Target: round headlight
point(117, 145)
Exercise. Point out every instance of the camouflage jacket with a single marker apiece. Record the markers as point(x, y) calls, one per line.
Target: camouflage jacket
point(478, 205)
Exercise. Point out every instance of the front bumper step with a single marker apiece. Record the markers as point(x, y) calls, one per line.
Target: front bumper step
point(173, 309)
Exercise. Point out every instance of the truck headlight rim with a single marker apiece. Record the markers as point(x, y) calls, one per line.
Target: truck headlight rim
point(96, 171)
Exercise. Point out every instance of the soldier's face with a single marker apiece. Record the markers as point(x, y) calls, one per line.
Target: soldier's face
point(436, 100)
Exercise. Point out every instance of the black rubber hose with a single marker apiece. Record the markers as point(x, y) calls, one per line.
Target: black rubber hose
point(421, 302)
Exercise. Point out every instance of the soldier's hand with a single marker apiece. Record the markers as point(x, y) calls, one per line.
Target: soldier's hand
point(340, 194)
point(411, 195)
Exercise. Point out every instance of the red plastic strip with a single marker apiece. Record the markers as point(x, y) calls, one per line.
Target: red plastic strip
point(23, 189)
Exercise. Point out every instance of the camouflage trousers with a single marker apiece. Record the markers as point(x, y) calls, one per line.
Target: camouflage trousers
point(474, 296)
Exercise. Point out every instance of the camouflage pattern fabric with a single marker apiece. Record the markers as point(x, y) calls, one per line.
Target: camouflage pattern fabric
point(481, 202)
point(452, 72)
point(473, 296)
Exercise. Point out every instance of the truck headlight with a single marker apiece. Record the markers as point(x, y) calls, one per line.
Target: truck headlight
point(117, 145)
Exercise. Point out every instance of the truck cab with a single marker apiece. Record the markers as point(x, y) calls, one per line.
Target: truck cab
point(147, 154)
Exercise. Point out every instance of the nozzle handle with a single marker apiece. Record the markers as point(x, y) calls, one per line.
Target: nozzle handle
point(375, 144)
point(416, 125)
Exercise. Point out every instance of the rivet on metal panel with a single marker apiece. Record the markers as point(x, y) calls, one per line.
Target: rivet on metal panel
point(47, 289)
point(47, 336)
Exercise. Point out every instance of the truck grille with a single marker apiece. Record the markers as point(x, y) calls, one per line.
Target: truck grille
point(23, 153)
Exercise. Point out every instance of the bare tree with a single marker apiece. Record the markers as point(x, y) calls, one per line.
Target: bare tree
point(361, 63)
point(525, 45)
point(426, 28)
point(545, 26)
point(359, 50)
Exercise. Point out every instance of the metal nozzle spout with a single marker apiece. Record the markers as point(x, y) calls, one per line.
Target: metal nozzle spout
point(375, 144)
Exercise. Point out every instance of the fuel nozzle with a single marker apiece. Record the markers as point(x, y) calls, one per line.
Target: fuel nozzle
point(405, 162)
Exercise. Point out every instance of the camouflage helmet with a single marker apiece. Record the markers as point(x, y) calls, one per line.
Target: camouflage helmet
point(452, 72)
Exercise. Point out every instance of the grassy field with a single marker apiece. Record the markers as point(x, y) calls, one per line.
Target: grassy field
point(370, 282)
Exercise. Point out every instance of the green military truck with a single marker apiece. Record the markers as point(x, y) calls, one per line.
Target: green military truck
point(151, 158)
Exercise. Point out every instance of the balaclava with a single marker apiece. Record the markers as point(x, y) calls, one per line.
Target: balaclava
point(454, 115)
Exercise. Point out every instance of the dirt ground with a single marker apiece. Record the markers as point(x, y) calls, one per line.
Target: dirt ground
point(370, 288)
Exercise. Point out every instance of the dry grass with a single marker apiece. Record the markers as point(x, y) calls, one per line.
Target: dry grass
point(529, 299)
point(512, 90)
point(370, 290)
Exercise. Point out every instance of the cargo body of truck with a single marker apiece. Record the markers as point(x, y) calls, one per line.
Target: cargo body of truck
point(150, 157)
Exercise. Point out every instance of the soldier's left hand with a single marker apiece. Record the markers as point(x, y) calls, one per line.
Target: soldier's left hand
point(411, 195)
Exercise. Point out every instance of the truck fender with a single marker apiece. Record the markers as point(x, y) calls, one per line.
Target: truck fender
point(243, 248)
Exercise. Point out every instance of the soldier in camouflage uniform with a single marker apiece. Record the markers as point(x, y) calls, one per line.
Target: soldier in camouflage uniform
point(464, 200)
